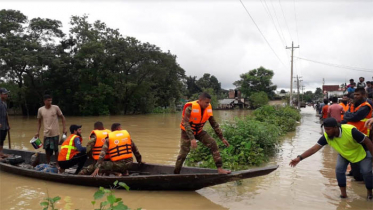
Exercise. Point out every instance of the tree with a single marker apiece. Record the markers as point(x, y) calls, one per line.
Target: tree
point(319, 94)
point(94, 70)
point(282, 91)
point(25, 52)
point(256, 80)
point(308, 96)
point(209, 81)
point(258, 99)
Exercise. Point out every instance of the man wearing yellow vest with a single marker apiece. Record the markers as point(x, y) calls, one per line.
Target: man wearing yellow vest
point(352, 146)
point(120, 147)
point(94, 146)
point(72, 151)
point(195, 115)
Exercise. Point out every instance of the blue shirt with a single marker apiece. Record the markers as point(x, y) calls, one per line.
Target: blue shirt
point(78, 145)
point(350, 90)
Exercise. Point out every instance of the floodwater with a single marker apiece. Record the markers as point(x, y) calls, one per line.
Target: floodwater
point(311, 185)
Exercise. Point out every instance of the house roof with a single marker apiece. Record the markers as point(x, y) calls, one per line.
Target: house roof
point(226, 101)
point(330, 88)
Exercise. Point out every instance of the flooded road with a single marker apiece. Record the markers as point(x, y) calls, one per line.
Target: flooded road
point(311, 185)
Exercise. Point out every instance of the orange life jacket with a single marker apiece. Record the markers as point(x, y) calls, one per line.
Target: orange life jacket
point(120, 145)
point(345, 108)
point(360, 125)
point(100, 140)
point(325, 111)
point(68, 149)
point(196, 120)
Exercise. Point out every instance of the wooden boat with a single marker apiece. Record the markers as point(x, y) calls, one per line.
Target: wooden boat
point(146, 177)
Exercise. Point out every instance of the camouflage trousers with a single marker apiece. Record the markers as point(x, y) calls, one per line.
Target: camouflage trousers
point(185, 144)
point(108, 166)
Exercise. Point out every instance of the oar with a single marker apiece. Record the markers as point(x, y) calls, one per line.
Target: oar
point(10, 146)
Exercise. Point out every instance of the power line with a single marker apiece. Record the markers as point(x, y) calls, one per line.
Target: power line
point(296, 24)
point(278, 22)
point(247, 11)
point(283, 14)
point(338, 65)
point(273, 21)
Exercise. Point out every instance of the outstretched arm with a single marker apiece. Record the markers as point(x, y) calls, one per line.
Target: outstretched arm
point(218, 131)
point(305, 154)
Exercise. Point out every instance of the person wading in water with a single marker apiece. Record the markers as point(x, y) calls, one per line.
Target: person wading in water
point(352, 146)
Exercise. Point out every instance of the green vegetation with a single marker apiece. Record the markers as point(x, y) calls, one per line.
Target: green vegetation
point(253, 140)
point(111, 202)
point(257, 80)
point(258, 99)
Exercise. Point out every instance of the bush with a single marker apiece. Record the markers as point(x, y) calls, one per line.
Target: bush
point(258, 99)
point(253, 140)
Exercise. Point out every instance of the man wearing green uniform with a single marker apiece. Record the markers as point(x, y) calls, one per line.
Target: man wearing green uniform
point(120, 166)
point(352, 146)
point(195, 115)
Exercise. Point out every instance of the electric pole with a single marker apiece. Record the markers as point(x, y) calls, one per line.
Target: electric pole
point(302, 92)
point(298, 91)
point(291, 75)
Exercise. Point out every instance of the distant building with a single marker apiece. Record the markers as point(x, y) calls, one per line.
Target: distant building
point(234, 100)
point(332, 91)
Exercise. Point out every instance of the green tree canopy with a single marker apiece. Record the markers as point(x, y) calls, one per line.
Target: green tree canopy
point(256, 80)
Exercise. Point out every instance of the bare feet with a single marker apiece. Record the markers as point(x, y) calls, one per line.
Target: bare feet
point(223, 171)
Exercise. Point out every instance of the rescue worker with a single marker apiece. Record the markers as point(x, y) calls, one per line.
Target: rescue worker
point(358, 112)
point(344, 104)
point(120, 147)
point(352, 146)
point(72, 151)
point(195, 115)
point(96, 140)
point(94, 146)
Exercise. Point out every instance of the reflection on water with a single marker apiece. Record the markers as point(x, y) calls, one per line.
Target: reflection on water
point(311, 185)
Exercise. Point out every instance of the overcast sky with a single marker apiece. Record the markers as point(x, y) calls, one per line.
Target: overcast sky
point(218, 37)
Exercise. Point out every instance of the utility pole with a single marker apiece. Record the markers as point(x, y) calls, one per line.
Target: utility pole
point(291, 75)
point(298, 92)
point(302, 92)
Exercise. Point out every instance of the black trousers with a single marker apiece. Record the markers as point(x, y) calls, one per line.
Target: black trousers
point(77, 159)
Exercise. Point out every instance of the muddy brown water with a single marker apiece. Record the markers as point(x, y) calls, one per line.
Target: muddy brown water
point(311, 185)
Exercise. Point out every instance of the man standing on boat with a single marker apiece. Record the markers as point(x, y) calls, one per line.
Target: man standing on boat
point(49, 114)
point(120, 147)
point(352, 146)
point(195, 115)
point(4, 121)
point(72, 152)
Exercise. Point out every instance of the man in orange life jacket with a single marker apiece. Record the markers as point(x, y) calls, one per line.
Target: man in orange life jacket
point(72, 152)
point(358, 112)
point(96, 140)
point(94, 146)
point(195, 115)
point(344, 104)
point(120, 147)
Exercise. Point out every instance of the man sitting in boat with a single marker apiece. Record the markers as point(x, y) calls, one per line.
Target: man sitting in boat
point(72, 151)
point(195, 115)
point(120, 147)
point(94, 146)
point(96, 140)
